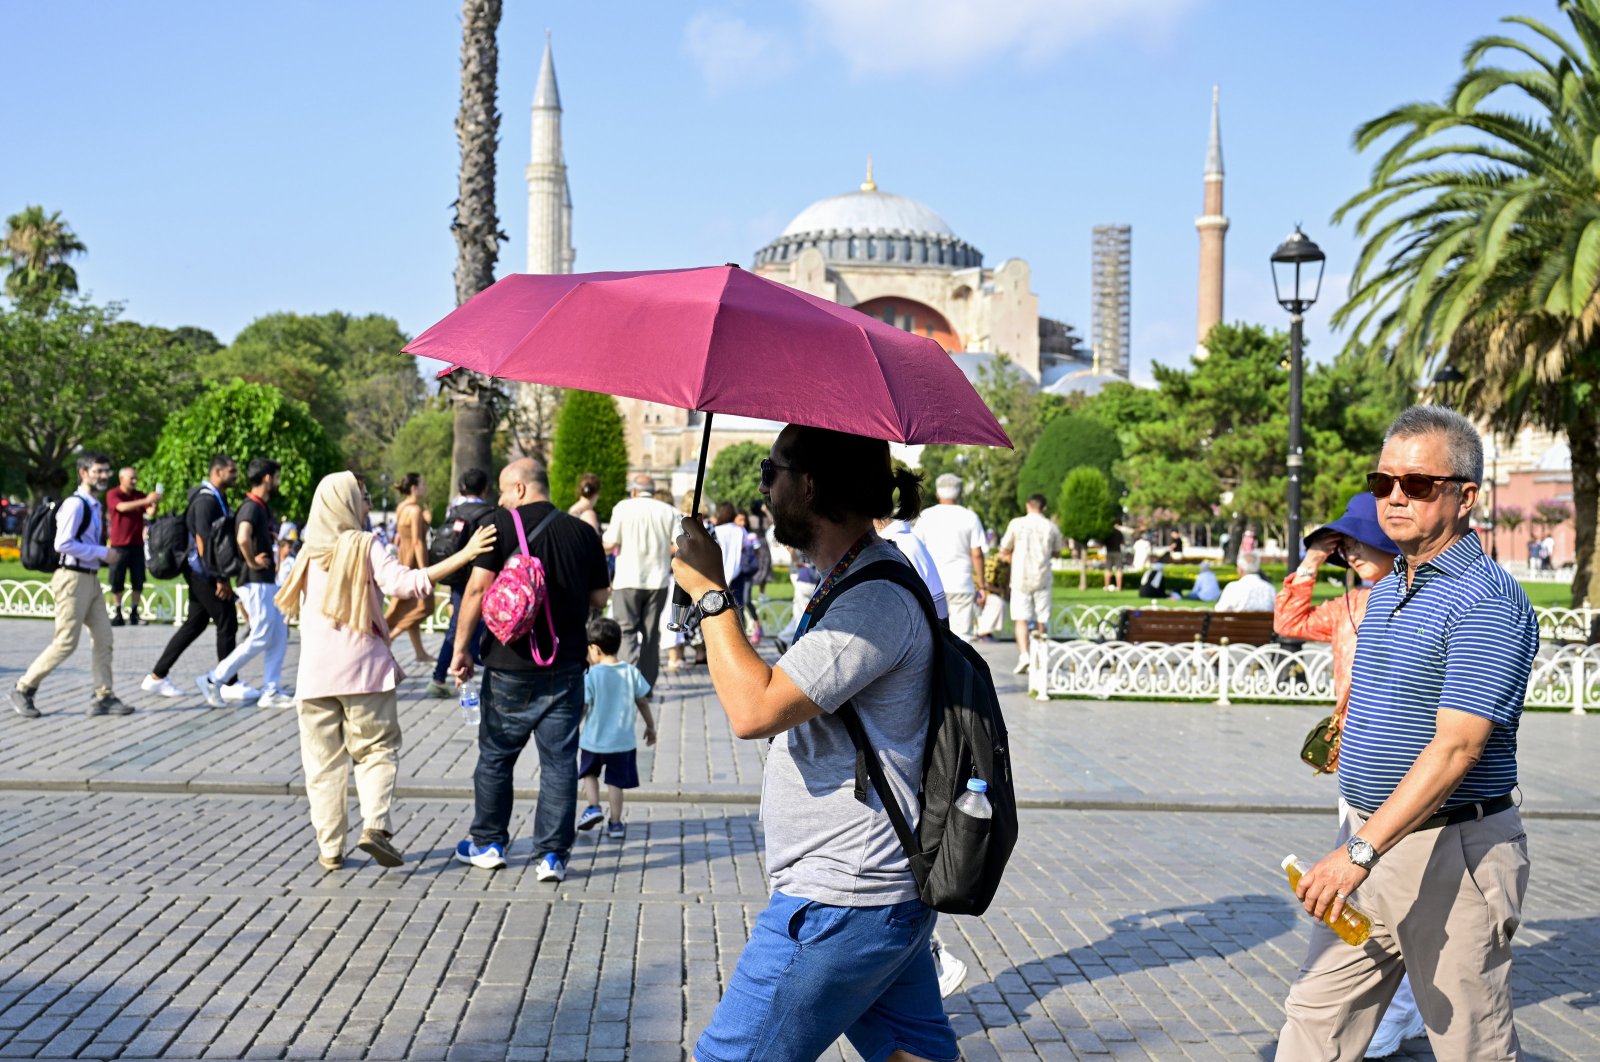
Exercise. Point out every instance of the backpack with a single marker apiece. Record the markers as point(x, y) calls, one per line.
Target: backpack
point(38, 547)
point(513, 602)
point(169, 545)
point(222, 554)
point(957, 860)
point(448, 538)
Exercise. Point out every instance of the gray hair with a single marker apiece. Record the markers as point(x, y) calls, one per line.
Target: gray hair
point(948, 486)
point(644, 484)
point(1250, 563)
point(1463, 444)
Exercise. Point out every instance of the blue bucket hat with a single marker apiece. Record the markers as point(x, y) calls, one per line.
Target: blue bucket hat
point(1360, 522)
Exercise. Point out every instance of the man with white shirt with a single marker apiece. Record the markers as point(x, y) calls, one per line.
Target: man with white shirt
point(80, 528)
point(899, 532)
point(730, 539)
point(1031, 542)
point(641, 531)
point(1251, 592)
point(954, 536)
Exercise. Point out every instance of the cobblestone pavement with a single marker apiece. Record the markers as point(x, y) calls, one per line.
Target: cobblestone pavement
point(191, 921)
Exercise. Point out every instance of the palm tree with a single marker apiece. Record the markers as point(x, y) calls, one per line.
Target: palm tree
point(1482, 229)
point(478, 401)
point(35, 249)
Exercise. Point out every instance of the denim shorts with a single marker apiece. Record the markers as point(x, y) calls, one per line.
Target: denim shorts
point(813, 971)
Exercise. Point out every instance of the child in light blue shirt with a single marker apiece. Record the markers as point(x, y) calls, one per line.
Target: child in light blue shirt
point(613, 692)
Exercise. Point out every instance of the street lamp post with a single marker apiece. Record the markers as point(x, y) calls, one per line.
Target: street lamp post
point(1296, 280)
point(1442, 380)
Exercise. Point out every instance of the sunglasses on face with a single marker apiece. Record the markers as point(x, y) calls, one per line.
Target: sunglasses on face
point(1413, 485)
point(770, 470)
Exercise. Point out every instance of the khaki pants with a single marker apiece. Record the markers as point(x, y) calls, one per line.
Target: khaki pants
point(78, 605)
point(1444, 904)
point(334, 731)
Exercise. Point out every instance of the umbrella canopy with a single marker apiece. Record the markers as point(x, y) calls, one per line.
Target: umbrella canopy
point(720, 340)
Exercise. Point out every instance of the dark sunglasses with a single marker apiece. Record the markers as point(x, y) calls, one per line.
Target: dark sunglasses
point(1413, 485)
point(770, 470)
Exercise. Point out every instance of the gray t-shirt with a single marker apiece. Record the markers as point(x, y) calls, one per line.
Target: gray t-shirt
point(873, 648)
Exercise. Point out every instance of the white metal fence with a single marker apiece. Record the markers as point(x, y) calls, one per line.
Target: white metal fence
point(1565, 676)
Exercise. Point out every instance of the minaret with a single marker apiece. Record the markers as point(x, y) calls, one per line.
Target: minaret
point(1213, 228)
point(549, 197)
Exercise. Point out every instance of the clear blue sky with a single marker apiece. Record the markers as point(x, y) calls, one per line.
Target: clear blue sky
point(222, 161)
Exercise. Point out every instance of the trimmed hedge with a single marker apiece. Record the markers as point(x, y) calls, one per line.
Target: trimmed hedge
point(1177, 578)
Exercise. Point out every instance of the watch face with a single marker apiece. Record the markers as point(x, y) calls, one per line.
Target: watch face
point(1361, 852)
point(713, 602)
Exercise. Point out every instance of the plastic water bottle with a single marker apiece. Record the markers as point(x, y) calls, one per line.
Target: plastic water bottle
point(470, 714)
point(1352, 926)
point(975, 801)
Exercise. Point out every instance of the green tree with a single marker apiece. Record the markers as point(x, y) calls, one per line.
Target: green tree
point(347, 370)
point(75, 373)
point(34, 251)
point(1085, 510)
point(589, 438)
point(1067, 442)
point(1482, 229)
point(1510, 518)
point(244, 420)
point(423, 444)
point(479, 402)
point(735, 475)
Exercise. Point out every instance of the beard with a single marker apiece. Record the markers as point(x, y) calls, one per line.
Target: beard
point(794, 529)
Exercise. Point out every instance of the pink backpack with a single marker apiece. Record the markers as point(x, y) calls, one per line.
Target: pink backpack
point(518, 594)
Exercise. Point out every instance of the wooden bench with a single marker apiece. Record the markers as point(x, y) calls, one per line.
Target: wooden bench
point(1180, 626)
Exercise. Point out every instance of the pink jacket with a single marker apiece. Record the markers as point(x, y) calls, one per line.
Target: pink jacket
point(1330, 621)
point(337, 662)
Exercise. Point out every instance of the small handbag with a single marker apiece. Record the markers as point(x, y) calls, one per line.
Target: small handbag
point(1321, 747)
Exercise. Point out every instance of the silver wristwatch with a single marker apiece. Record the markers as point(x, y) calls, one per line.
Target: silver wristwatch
point(1361, 853)
point(713, 602)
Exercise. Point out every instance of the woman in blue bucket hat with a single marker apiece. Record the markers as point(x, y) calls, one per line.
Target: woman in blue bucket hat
point(1357, 543)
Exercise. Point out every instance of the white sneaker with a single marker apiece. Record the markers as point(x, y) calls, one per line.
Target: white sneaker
point(952, 971)
point(160, 687)
point(1392, 1031)
point(239, 693)
point(1022, 665)
point(276, 699)
point(550, 868)
point(208, 689)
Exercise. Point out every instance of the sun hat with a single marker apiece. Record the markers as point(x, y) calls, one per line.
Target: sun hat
point(1360, 522)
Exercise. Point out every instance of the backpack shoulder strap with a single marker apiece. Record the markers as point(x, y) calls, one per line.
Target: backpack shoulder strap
point(538, 529)
point(868, 765)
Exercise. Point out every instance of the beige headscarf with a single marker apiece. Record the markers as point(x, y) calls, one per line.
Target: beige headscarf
point(334, 540)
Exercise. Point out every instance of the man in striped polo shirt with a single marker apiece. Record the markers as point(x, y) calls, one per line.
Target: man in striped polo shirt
point(1427, 762)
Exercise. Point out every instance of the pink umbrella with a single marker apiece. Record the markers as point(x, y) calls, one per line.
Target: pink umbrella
point(719, 340)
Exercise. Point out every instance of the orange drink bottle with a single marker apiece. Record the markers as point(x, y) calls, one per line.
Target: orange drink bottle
point(1352, 925)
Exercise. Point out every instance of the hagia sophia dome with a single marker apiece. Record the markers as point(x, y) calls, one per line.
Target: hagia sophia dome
point(872, 226)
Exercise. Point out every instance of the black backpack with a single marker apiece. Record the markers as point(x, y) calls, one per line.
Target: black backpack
point(222, 556)
point(448, 538)
point(957, 860)
point(169, 546)
point(38, 552)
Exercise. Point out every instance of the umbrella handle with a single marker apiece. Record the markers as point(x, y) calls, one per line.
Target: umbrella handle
point(681, 603)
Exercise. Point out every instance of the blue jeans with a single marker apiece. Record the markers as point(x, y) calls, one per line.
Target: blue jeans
point(546, 706)
point(812, 971)
point(441, 667)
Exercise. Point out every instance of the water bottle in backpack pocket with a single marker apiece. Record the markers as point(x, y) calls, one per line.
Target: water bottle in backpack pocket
point(518, 595)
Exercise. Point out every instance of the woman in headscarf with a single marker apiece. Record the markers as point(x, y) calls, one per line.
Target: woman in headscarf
point(346, 687)
point(406, 616)
point(1355, 541)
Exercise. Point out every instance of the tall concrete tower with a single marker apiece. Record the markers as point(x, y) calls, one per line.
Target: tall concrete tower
point(549, 194)
point(1213, 229)
point(1111, 272)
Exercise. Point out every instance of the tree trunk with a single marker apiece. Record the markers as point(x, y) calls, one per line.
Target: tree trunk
point(1083, 567)
point(1583, 438)
point(1236, 529)
point(476, 227)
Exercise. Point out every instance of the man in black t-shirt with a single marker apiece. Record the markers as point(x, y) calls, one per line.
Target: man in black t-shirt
point(522, 699)
point(210, 595)
point(269, 634)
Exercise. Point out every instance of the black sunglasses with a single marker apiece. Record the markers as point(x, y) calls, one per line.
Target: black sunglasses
point(1413, 485)
point(770, 470)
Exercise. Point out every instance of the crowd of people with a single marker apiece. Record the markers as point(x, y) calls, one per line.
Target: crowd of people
point(1432, 647)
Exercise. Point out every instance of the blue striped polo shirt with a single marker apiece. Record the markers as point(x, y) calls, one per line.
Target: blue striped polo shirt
point(1462, 637)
